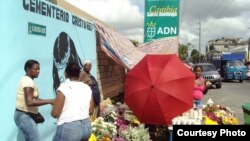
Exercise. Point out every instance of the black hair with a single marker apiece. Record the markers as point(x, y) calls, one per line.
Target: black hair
point(64, 52)
point(29, 64)
point(73, 69)
point(198, 66)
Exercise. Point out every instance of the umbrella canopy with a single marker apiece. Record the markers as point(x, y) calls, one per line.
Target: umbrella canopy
point(159, 88)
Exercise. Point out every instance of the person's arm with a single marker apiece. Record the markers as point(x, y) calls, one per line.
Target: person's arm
point(58, 105)
point(92, 106)
point(207, 85)
point(33, 101)
point(85, 78)
point(205, 90)
point(81, 75)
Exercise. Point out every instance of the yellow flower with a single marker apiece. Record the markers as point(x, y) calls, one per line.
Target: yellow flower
point(92, 138)
point(208, 121)
point(105, 138)
point(219, 114)
point(235, 121)
point(230, 121)
point(135, 121)
point(225, 120)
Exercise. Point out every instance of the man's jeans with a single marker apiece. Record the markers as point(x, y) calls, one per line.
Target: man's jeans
point(27, 125)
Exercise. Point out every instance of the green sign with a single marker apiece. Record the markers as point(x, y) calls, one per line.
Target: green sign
point(36, 29)
point(161, 19)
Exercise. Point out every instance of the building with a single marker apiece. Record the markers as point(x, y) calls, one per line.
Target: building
point(224, 44)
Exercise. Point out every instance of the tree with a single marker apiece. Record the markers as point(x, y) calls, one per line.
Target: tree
point(183, 52)
point(195, 56)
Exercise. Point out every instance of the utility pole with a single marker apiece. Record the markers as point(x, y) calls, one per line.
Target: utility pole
point(248, 59)
point(199, 40)
point(190, 49)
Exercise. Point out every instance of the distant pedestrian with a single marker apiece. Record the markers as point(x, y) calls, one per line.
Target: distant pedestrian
point(200, 86)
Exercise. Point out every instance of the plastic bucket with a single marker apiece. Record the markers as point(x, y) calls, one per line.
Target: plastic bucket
point(246, 113)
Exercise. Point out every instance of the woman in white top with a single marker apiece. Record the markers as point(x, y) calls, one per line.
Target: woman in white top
point(72, 107)
point(27, 101)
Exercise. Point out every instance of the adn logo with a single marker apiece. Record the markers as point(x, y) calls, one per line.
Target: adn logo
point(151, 29)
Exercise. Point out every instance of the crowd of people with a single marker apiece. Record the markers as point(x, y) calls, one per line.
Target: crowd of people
point(77, 98)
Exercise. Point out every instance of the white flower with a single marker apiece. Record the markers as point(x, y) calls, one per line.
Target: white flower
point(139, 133)
point(210, 102)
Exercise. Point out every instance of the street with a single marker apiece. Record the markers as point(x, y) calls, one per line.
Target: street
point(232, 95)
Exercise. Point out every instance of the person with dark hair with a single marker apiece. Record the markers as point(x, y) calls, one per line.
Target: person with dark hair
point(72, 107)
point(86, 77)
point(200, 86)
point(27, 101)
point(64, 52)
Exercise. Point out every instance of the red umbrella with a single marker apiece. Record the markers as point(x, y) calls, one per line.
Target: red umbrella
point(159, 88)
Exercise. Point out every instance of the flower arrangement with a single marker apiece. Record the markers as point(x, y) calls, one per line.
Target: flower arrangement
point(117, 123)
point(137, 133)
point(102, 129)
point(217, 114)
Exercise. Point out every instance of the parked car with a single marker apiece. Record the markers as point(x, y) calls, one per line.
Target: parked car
point(248, 72)
point(247, 64)
point(211, 74)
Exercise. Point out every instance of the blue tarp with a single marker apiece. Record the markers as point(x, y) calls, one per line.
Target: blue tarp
point(233, 56)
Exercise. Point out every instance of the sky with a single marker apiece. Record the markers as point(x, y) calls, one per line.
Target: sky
point(218, 18)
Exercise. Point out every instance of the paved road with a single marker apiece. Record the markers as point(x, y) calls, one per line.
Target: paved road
point(233, 95)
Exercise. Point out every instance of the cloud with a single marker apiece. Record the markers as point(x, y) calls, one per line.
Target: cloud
point(224, 26)
point(219, 18)
point(122, 15)
point(203, 9)
point(135, 34)
point(191, 36)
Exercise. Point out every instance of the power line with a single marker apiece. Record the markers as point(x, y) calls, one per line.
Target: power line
point(199, 40)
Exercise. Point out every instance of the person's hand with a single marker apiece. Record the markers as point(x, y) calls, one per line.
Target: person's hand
point(51, 101)
point(208, 84)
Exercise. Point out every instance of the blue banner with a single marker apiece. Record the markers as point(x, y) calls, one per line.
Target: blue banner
point(36, 29)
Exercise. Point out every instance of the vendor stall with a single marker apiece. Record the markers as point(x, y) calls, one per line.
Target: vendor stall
point(209, 114)
point(117, 122)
